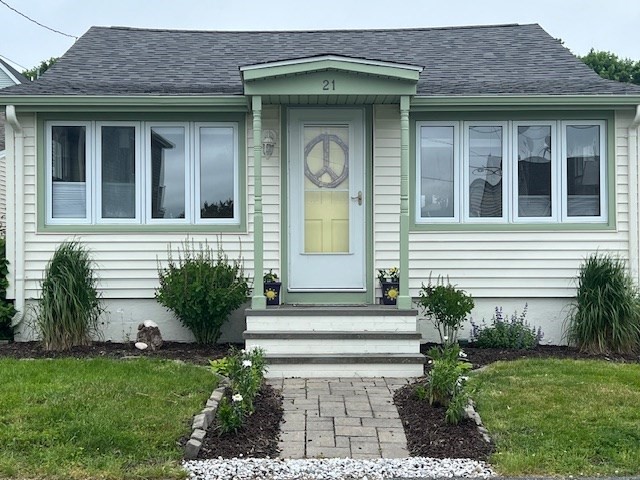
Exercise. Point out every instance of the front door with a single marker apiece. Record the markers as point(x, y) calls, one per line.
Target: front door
point(326, 200)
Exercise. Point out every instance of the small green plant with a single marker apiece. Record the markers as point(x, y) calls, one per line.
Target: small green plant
point(202, 288)
point(70, 305)
point(506, 332)
point(7, 311)
point(270, 277)
point(447, 307)
point(421, 392)
point(245, 370)
point(605, 316)
point(446, 383)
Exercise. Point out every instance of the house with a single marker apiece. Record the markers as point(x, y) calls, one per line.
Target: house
point(9, 76)
point(489, 155)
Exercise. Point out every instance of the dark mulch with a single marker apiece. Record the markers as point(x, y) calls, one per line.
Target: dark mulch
point(428, 435)
point(258, 438)
point(480, 357)
point(187, 352)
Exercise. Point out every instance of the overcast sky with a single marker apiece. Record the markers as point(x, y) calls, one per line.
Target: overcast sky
point(612, 25)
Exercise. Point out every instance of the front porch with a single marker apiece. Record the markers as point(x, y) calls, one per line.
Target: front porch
point(337, 341)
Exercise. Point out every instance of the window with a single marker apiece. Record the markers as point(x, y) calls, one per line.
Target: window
point(511, 172)
point(144, 173)
point(437, 171)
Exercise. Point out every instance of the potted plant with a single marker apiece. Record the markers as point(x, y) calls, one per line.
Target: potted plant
point(272, 287)
point(389, 285)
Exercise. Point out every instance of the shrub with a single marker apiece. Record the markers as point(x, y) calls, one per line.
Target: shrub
point(7, 311)
point(245, 370)
point(202, 288)
point(506, 332)
point(447, 307)
point(68, 310)
point(446, 382)
point(605, 316)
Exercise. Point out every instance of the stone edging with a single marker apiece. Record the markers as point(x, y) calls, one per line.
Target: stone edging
point(202, 420)
point(471, 413)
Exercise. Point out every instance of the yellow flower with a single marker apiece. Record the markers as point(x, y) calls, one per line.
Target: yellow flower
point(392, 293)
point(270, 293)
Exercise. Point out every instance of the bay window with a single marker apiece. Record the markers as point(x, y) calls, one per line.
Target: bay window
point(142, 173)
point(511, 172)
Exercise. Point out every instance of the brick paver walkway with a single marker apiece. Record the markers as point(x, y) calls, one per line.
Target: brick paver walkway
point(341, 417)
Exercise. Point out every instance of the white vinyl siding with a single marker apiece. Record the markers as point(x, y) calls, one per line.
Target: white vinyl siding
point(496, 264)
point(127, 262)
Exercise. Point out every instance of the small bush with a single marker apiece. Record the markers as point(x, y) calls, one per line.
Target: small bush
point(202, 288)
point(245, 370)
point(68, 310)
point(605, 316)
point(447, 307)
point(506, 332)
point(7, 311)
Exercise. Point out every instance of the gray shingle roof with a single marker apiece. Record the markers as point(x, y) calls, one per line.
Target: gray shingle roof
point(484, 60)
point(21, 78)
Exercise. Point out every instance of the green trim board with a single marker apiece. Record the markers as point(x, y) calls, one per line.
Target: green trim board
point(42, 226)
point(329, 83)
point(331, 62)
point(126, 103)
point(521, 115)
point(326, 298)
point(519, 102)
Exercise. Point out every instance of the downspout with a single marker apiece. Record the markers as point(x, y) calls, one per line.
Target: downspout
point(18, 223)
point(634, 157)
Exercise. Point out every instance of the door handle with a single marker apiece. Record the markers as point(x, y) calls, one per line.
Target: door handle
point(358, 197)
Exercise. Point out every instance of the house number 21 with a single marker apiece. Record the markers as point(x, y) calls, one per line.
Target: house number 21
point(328, 85)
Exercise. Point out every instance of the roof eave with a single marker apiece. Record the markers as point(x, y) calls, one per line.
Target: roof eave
point(126, 102)
point(430, 102)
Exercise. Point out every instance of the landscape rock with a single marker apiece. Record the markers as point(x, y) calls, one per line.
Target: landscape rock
point(141, 345)
point(149, 333)
point(192, 448)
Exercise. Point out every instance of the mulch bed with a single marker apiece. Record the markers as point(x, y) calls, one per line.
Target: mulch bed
point(428, 435)
point(187, 352)
point(258, 438)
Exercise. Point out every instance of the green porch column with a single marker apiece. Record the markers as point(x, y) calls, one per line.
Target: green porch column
point(258, 301)
point(404, 299)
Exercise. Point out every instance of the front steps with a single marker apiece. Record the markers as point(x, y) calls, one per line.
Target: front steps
point(336, 341)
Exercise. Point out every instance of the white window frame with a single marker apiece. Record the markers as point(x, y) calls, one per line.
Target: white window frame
point(138, 174)
point(556, 165)
point(197, 175)
point(506, 176)
point(188, 142)
point(457, 197)
point(89, 156)
point(604, 214)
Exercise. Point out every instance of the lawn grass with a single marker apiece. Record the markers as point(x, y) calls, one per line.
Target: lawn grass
point(562, 417)
point(97, 418)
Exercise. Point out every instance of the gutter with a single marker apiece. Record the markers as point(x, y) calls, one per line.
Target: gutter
point(634, 157)
point(17, 220)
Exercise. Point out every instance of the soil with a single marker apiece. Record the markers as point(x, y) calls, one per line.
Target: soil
point(428, 435)
point(258, 438)
point(187, 352)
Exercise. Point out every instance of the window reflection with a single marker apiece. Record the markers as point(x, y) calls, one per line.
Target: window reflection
point(583, 170)
point(168, 151)
point(534, 171)
point(216, 172)
point(437, 172)
point(485, 171)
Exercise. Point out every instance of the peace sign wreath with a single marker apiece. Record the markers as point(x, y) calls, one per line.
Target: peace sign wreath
point(316, 177)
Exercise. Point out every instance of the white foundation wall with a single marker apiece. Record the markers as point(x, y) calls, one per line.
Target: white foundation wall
point(538, 267)
point(127, 263)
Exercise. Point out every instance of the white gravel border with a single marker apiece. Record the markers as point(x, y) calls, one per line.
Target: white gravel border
point(335, 468)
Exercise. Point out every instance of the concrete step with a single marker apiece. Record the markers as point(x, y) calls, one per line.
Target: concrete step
point(345, 365)
point(337, 342)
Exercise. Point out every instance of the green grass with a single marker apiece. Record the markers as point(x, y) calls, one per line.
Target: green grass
point(98, 418)
point(562, 417)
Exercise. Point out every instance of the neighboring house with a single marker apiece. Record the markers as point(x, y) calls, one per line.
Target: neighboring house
point(489, 155)
point(9, 77)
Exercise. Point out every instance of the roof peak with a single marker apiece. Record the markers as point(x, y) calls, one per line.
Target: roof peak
point(402, 29)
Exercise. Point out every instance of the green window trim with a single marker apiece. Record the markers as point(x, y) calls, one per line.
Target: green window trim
point(608, 117)
point(195, 119)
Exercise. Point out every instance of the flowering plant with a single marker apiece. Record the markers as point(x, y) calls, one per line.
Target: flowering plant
point(270, 277)
point(389, 275)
